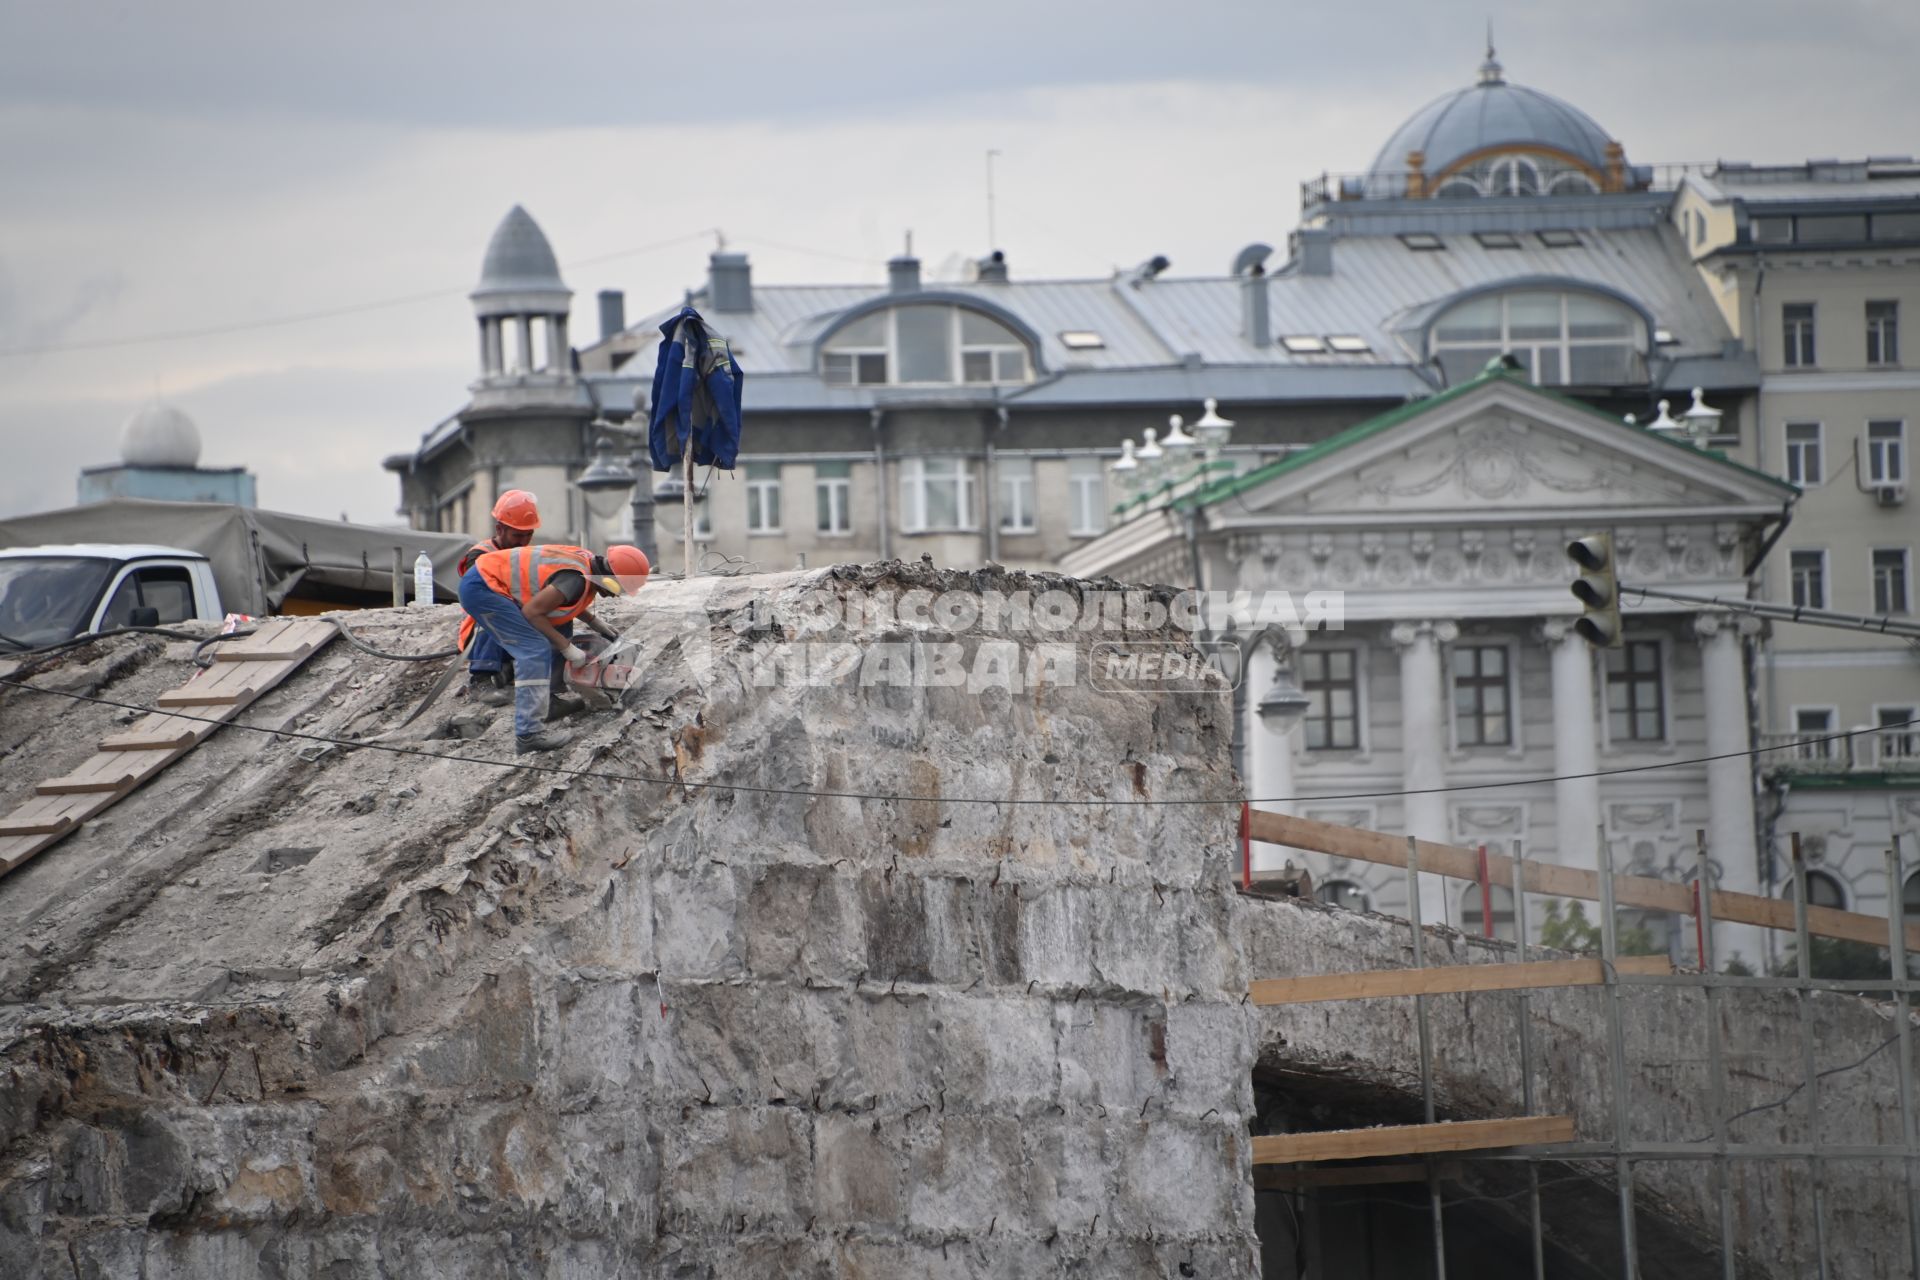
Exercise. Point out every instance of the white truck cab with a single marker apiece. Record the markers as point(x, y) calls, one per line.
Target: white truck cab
point(53, 593)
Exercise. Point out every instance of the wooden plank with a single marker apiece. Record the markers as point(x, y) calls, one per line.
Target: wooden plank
point(46, 825)
point(1443, 980)
point(263, 655)
point(221, 685)
point(160, 738)
point(1268, 1177)
point(102, 772)
point(150, 741)
point(1411, 1139)
point(1554, 880)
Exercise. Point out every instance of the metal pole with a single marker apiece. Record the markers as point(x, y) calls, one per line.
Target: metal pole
point(1902, 1020)
point(399, 580)
point(1525, 1008)
point(687, 568)
point(1617, 1064)
point(642, 505)
point(1803, 951)
point(1716, 1068)
point(1426, 1054)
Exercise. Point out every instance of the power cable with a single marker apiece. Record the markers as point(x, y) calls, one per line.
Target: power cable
point(746, 788)
point(327, 313)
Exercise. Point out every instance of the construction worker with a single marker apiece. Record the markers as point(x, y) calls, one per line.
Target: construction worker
point(515, 516)
point(527, 598)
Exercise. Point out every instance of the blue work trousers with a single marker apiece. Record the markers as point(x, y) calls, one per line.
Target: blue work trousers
point(499, 616)
point(484, 654)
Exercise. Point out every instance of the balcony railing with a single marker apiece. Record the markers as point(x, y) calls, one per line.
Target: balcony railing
point(1880, 751)
point(1329, 187)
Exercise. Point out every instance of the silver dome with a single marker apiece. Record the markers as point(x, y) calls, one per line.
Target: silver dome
point(1490, 116)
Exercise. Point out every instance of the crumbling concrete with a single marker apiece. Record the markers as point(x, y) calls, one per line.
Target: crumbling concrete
point(311, 1012)
point(300, 1012)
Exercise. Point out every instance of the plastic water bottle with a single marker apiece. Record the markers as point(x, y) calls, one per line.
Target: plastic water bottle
point(423, 579)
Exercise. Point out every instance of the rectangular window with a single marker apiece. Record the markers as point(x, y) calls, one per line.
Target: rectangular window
point(1771, 230)
point(1482, 716)
point(1803, 453)
point(1087, 488)
point(1796, 328)
point(1636, 693)
point(763, 497)
point(1809, 572)
point(1331, 681)
point(1837, 228)
point(1890, 581)
point(1904, 742)
point(1886, 453)
point(1896, 226)
point(1016, 494)
point(1810, 724)
point(936, 494)
point(832, 493)
point(1883, 333)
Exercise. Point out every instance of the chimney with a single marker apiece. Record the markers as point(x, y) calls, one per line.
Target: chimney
point(1256, 327)
point(903, 274)
point(1313, 251)
point(613, 313)
point(729, 282)
point(993, 268)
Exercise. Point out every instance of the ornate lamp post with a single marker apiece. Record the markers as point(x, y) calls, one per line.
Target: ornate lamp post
point(607, 482)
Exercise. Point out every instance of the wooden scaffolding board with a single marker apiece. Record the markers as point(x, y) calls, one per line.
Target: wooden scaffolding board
point(1553, 879)
point(1411, 1139)
point(125, 760)
point(1448, 980)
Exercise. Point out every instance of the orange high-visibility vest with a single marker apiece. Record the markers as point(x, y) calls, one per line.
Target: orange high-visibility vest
point(474, 552)
point(477, 550)
point(520, 572)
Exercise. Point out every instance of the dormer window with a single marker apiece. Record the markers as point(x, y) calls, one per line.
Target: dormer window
point(1560, 339)
point(925, 344)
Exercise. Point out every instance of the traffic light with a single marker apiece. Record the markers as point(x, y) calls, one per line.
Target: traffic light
point(1598, 589)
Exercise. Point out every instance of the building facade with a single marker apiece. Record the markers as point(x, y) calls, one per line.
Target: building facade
point(1814, 267)
point(978, 420)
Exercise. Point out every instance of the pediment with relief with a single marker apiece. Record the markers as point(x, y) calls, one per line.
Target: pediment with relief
point(1496, 460)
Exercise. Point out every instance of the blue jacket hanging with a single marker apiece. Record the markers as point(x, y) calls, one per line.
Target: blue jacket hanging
point(697, 386)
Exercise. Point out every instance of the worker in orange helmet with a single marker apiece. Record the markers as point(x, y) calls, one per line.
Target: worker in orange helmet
point(527, 598)
point(515, 516)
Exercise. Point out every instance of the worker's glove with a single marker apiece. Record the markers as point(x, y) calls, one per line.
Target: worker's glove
point(574, 655)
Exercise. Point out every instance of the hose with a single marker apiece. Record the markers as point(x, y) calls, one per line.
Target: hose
point(364, 647)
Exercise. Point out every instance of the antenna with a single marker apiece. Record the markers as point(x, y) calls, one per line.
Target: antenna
point(993, 240)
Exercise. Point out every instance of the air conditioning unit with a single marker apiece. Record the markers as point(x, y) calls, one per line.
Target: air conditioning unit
point(1889, 495)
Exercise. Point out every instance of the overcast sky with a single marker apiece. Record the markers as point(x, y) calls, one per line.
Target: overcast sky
point(201, 164)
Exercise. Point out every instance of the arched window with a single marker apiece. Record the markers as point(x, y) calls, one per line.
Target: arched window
point(1910, 895)
point(1470, 918)
point(1342, 893)
point(927, 343)
point(1514, 176)
point(1560, 339)
point(1823, 890)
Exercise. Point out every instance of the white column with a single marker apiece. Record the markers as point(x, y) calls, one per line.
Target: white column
point(1423, 746)
point(559, 356)
point(492, 357)
point(1269, 755)
point(1576, 800)
point(1731, 836)
point(526, 343)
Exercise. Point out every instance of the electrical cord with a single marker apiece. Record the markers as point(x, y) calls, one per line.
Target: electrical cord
point(745, 788)
point(364, 647)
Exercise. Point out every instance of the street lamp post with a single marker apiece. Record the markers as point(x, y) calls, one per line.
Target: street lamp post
point(607, 482)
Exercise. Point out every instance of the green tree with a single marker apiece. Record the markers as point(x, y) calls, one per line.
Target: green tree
point(1566, 928)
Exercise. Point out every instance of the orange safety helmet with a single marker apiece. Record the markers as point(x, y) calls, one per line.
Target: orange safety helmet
point(629, 570)
point(517, 510)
